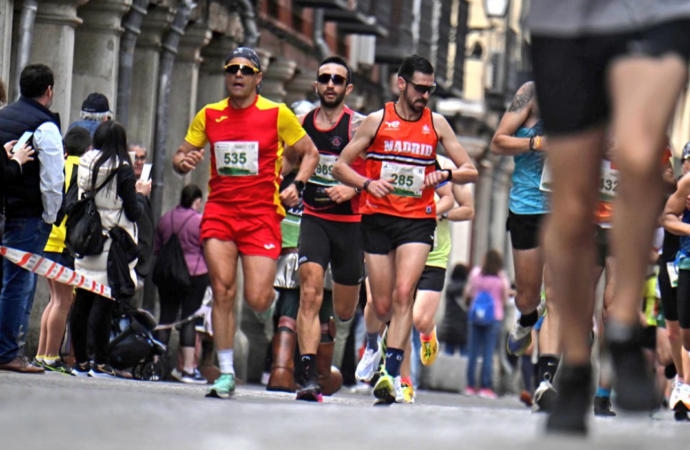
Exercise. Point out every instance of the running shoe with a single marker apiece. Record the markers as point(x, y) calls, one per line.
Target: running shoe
point(37, 363)
point(408, 391)
point(368, 365)
point(82, 370)
point(429, 350)
point(389, 389)
point(602, 407)
point(487, 393)
point(683, 403)
point(59, 367)
point(635, 386)
point(224, 386)
point(544, 397)
point(675, 395)
point(470, 391)
point(570, 410)
point(526, 398)
point(310, 393)
point(194, 377)
point(520, 338)
point(102, 371)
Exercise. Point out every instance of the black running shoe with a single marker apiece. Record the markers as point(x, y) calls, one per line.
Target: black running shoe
point(635, 386)
point(310, 393)
point(602, 407)
point(102, 371)
point(573, 401)
point(60, 367)
point(82, 370)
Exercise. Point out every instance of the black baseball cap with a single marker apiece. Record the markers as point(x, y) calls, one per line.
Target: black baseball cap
point(246, 53)
point(96, 103)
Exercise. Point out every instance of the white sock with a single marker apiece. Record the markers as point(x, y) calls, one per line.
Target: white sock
point(226, 361)
point(50, 361)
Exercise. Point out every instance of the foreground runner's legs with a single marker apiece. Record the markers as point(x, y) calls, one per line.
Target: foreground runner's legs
point(425, 307)
point(644, 92)
point(396, 273)
point(570, 252)
point(259, 273)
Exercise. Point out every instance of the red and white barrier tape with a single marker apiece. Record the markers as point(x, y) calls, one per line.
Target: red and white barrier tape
point(53, 271)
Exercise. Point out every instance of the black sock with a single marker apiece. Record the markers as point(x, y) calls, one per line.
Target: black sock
point(548, 364)
point(373, 340)
point(394, 359)
point(309, 367)
point(289, 330)
point(529, 320)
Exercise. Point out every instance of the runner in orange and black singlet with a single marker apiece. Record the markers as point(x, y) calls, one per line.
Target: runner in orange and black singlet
point(397, 204)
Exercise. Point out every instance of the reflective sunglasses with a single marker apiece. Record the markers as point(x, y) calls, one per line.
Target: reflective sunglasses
point(246, 70)
point(421, 88)
point(338, 80)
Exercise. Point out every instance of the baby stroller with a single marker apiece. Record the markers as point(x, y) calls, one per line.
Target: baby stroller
point(132, 344)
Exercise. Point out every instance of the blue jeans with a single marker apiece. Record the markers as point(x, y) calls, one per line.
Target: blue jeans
point(18, 285)
point(482, 342)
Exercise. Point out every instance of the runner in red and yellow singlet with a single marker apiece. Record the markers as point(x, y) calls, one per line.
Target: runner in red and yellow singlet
point(397, 204)
point(248, 136)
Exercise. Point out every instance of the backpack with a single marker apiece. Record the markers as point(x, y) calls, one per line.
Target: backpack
point(171, 268)
point(69, 198)
point(84, 235)
point(482, 310)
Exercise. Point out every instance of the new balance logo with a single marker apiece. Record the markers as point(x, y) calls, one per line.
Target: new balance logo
point(269, 246)
point(221, 118)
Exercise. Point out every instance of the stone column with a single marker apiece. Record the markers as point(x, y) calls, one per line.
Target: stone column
point(145, 78)
point(278, 73)
point(53, 45)
point(6, 14)
point(183, 103)
point(97, 51)
point(300, 86)
point(211, 89)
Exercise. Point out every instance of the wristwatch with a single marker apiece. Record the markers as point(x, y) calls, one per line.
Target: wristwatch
point(299, 185)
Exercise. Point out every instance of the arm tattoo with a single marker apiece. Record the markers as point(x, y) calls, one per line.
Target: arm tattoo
point(356, 121)
point(522, 98)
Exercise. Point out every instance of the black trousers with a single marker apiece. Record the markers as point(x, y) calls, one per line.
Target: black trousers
point(185, 301)
point(90, 321)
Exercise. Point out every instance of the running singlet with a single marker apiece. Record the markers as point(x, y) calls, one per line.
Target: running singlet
point(330, 143)
point(441, 251)
point(525, 195)
point(404, 153)
point(246, 154)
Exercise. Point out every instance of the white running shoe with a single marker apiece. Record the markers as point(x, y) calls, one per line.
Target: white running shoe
point(368, 365)
point(675, 395)
point(544, 397)
point(520, 338)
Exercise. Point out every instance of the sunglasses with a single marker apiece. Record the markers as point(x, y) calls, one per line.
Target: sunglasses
point(421, 88)
point(246, 70)
point(338, 80)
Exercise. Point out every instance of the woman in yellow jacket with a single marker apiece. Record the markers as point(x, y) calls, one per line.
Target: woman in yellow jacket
point(54, 319)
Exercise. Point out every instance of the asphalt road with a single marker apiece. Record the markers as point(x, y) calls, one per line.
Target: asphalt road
point(57, 412)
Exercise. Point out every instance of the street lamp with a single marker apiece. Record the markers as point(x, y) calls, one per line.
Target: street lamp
point(496, 8)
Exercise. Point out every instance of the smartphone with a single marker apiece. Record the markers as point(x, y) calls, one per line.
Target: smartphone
point(146, 172)
point(22, 140)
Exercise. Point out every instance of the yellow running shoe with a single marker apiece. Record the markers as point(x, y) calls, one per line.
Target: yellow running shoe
point(429, 350)
point(408, 392)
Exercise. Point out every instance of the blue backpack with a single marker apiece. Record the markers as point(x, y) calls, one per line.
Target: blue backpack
point(482, 310)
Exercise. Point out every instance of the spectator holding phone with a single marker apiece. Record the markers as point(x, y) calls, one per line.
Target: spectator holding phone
point(32, 203)
point(140, 158)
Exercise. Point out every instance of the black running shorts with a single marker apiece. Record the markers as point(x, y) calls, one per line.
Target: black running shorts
point(669, 294)
point(524, 230)
point(432, 279)
point(571, 73)
point(382, 233)
point(324, 241)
